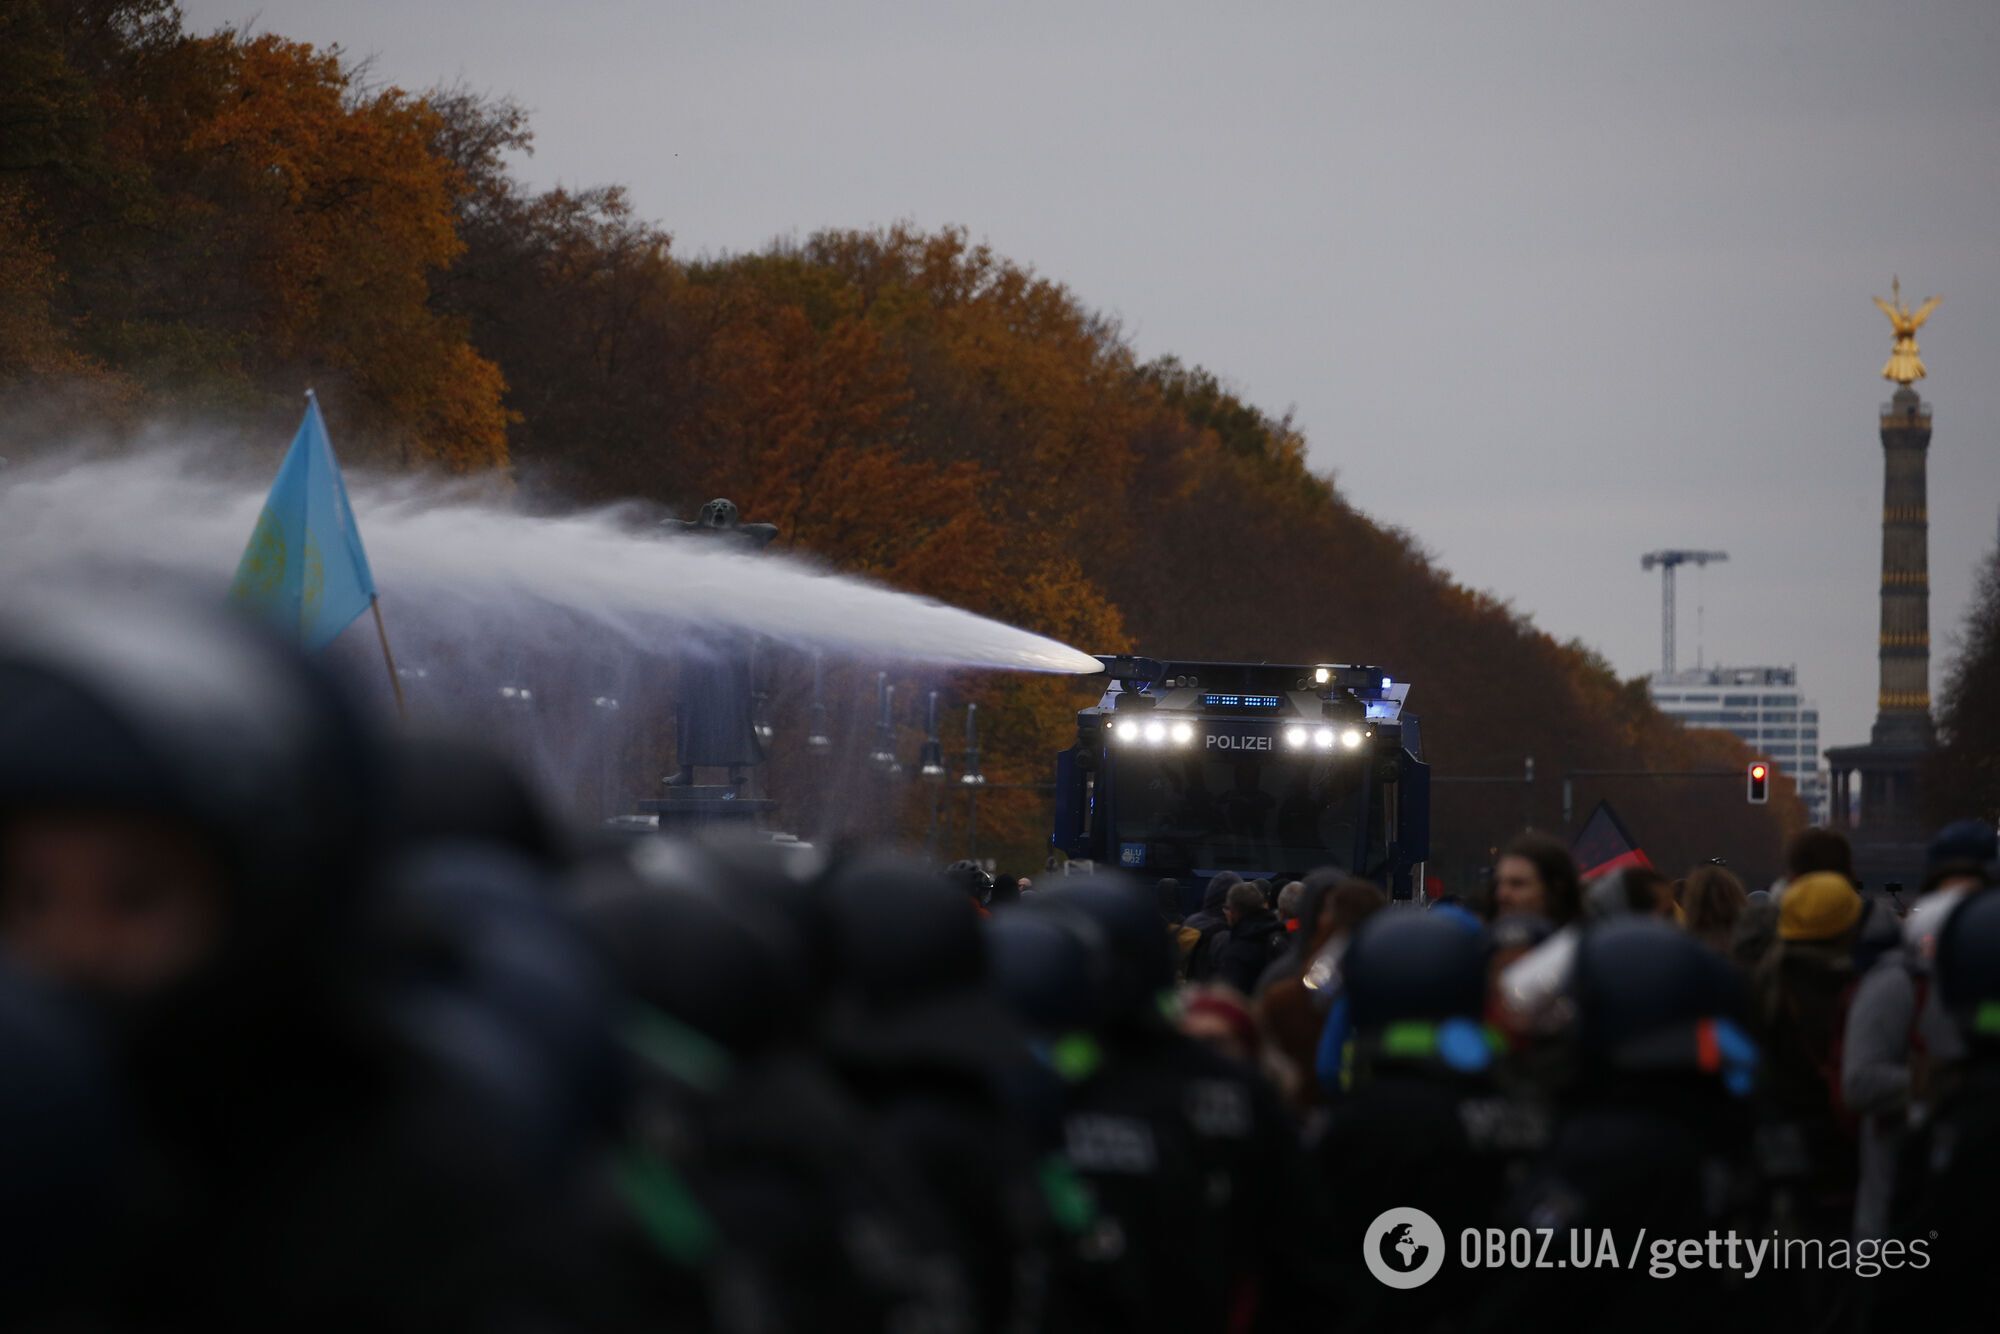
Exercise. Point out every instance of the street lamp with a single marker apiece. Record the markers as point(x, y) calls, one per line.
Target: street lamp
point(972, 779)
point(972, 775)
point(817, 740)
point(930, 761)
point(884, 754)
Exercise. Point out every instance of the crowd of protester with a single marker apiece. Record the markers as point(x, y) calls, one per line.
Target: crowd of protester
point(304, 1026)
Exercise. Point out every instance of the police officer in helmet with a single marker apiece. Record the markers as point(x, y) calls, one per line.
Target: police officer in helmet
point(1653, 1131)
point(188, 843)
point(1193, 1166)
point(1421, 1121)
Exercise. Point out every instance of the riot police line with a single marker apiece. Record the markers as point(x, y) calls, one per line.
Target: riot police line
point(303, 1026)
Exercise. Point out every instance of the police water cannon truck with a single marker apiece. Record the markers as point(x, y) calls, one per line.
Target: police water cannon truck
point(1187, 769)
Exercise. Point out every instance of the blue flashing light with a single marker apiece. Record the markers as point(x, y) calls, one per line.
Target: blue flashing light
point(1241, 701)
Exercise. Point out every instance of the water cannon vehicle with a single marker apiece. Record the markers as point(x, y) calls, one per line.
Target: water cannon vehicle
point(1187, 769)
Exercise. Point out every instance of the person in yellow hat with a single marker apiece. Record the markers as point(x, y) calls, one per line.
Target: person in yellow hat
point(1802, 988)
point(1818, 907)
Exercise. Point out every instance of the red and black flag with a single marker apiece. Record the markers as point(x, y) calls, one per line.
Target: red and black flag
point(1605, 845)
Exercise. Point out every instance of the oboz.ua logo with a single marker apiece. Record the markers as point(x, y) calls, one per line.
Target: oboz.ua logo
point(1404, 1248)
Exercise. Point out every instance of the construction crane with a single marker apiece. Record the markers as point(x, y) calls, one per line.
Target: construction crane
point(1669, 561)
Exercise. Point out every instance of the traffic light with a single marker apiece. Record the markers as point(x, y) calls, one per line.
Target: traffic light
point(1760, 782)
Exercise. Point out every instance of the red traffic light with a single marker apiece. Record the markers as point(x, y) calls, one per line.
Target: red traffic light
point(1760, 783)
point(1757, 771)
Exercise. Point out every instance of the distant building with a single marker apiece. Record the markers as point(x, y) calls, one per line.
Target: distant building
point(1761, 705)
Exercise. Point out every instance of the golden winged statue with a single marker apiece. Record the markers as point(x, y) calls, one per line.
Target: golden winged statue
point(1904, 364)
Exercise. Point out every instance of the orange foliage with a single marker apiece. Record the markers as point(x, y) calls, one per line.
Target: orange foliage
point(266, 227)
point(32, 341)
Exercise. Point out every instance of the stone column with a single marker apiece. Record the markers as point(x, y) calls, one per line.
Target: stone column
point(1903, 704)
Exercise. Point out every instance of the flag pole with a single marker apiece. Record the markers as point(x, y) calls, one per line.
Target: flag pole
point(388, 658)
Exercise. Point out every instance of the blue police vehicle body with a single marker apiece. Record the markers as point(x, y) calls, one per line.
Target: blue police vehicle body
point(1187, 769)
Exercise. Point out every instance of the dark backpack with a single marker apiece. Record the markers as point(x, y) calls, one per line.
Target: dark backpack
point(1207, 953)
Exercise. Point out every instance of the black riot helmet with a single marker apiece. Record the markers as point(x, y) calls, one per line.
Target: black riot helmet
point(783, 881)
point(1048, 964)
point(1138, 959)
point(1414, 965)
point(971, 879)
point(1413, 988)
point(899, 935)
point(175, 707)
point(912, 989)
point(1652, 999)
point(677, 944)
point(1968, 967)
point(454, 789)
point(498, 984)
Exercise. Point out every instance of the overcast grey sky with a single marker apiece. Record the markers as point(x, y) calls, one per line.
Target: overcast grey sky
point(1549, 285)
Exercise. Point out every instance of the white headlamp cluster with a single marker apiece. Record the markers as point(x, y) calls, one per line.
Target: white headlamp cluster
point(1158, 732)
point(1153, 732)
point(1323, 738)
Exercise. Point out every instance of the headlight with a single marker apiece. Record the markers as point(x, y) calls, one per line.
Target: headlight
point(1322, 675)
point(1351, 738)
point(1183, 733)
point(1127, 730)
point(1156, 732)
point(1295, 736)
point(1323, 738)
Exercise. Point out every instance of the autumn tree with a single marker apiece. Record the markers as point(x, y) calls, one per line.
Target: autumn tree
point(33, 343)
point(582, 304)
point(236, 218)
point(1964, 776)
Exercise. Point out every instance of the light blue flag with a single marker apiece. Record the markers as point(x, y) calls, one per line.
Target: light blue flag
point(304, 568)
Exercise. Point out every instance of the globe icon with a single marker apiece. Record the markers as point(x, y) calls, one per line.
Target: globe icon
point(1401, 1249)
point(1404, 1248)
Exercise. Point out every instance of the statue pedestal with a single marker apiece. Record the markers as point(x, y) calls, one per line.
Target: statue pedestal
point(1885, 820)
point(686, 809)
